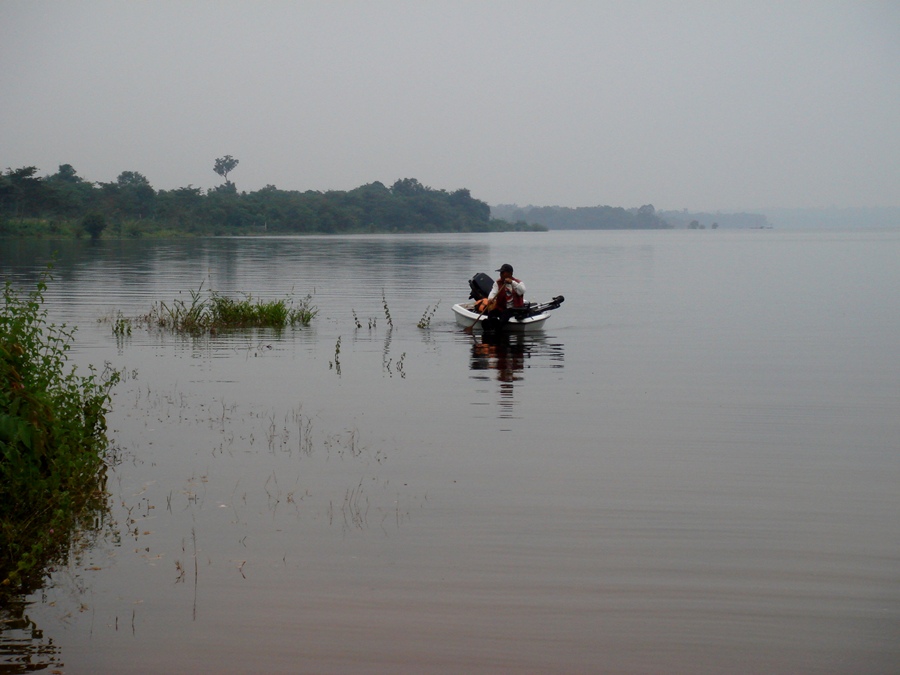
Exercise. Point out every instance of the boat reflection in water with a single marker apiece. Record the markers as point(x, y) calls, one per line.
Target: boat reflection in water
point(505, 357)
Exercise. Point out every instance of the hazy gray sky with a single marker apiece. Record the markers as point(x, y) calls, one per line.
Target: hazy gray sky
point(683, 104)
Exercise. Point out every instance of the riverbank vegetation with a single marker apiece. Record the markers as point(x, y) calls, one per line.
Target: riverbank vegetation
point(66, 205)
point(53, 444)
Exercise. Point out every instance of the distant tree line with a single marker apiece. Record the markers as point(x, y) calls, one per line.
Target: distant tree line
point(584, 218)
point(130, 206)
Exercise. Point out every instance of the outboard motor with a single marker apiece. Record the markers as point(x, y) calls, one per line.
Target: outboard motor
point(481, 285)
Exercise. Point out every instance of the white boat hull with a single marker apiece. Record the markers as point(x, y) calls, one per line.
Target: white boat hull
point(467, 317)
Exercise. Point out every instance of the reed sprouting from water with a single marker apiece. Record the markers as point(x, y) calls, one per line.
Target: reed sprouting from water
point(425, 321)
point(387, 310)
point(213, 311)
point(121, 325)
point(337, 356)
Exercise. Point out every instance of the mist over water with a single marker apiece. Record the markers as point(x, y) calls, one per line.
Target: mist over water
point(694, 468)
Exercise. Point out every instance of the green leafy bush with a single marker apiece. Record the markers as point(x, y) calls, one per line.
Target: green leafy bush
point(53, 440)
point(94, 223)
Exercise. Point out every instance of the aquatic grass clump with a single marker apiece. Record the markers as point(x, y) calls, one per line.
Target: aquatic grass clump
point(121, 325)
point(53, 442)
point(213, 312)
point(425, 321)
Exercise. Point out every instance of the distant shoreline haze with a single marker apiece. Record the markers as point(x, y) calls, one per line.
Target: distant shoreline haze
point(608, 217)
point(875, 218)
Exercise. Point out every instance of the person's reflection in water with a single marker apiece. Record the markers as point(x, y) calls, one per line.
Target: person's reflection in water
point(505, 354)
point(501, 352)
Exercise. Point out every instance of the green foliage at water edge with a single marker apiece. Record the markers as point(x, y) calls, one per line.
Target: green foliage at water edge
point(53, 442)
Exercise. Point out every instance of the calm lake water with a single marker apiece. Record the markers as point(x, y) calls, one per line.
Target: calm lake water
point(695, 468)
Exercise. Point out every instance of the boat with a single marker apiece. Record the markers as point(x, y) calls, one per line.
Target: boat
point(529, 318)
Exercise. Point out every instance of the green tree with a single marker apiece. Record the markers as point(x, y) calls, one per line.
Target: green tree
point(133, 196)
point(475, 209)
point(67, 174)
point(408, 187)
point(94, 223)
point(67, 193)
point(20, 191)
point(225, 165)
point(182, 206)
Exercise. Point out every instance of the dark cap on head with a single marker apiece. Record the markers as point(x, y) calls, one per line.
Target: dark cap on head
point(506, 268)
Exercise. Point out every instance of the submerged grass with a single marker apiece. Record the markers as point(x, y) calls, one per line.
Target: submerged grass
point(212, 311)
point(53, 442)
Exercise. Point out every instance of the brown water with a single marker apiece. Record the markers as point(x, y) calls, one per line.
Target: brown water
point(694, 469)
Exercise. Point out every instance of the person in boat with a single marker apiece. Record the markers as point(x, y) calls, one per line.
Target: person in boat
point(507, 294)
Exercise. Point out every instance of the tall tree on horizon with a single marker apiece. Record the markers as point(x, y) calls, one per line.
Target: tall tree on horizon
point(225, 165)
